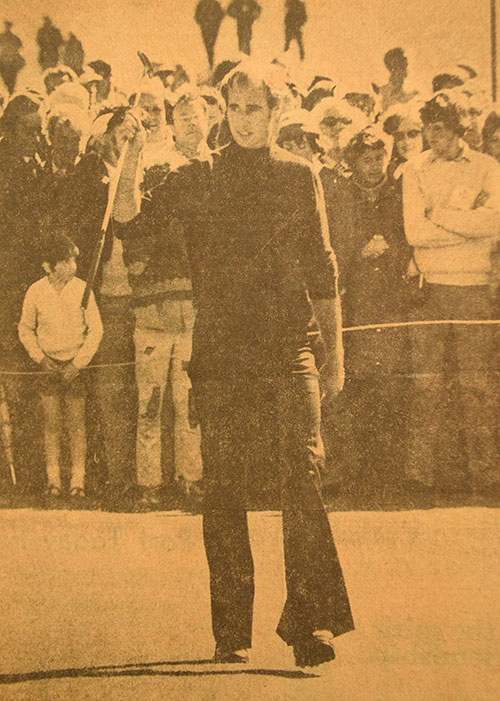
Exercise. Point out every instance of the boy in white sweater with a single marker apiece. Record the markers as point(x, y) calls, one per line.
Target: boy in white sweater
point(451, 200)
point(62, 338)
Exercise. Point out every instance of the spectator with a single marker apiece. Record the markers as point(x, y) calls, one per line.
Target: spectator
point(163, 305)
point(245, 12)
point(393, 92)
point(366, 228)
point(295, 19)
point(20, 127)
point(298, 135)
point(402, 122)
point(491, 135)
point(335, 118)
point(61, 338)
point(49, 40)
point(208, 16)
point(72, 54)
point(55, 77)
point(452, 219)
point(11, 60)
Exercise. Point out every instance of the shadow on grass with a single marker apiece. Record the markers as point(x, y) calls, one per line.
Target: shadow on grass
point(174, 668)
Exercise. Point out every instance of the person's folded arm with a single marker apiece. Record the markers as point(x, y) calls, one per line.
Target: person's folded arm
point(419, 230)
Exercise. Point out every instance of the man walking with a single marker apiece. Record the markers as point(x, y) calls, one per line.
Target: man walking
point(261, 264)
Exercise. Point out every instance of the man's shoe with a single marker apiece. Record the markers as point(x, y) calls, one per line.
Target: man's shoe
point(225, 656)
point(314, 649)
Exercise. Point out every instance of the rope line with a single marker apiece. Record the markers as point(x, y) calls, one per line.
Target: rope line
point(347, 329)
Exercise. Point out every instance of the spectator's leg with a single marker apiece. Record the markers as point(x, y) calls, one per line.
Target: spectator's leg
point(427, 353)
point(153, 349)
point(188, 465)
point(474, 350)
point(75, 422)
point(52, 417)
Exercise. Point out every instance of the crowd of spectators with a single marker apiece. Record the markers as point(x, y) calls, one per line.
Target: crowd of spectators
point(409, 184)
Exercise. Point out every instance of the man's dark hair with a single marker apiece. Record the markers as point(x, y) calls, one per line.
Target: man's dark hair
point(101, 68)
point(441, 109)
point(57, 247)
point(491, 125)
point(360, 143)
point(242, 79)
point(394, 58)
point(17, 107)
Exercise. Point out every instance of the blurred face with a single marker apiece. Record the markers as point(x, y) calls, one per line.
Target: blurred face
point(65, 144)
point(298, 144)
point(189, 124)
point(155, 112)
point(408, 141)
point(64, 270)
point(369, 168)
point(332, 124)
point(249, 115)
point(493, 145)
point(443, 141)
point(27, 134)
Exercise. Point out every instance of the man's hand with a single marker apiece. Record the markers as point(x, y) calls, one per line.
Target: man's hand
point(69, 372)
point(374, 248)
point(331, 381)
point(137, 267)
point(48, 365)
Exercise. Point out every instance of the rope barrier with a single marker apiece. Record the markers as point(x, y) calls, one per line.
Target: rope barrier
point(364, 327)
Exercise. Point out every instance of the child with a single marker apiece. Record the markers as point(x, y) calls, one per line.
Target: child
point(62, 338)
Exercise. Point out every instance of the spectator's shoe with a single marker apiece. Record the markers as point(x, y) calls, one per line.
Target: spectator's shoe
point(52, 497)
point(224, 656)
point(150, 500)
point(77, 498)
point(315, 649)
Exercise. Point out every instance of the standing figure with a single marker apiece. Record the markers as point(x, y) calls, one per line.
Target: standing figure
point(451, 200)
point(394, 91)
point(245, 12)
point(208, 15)
point(11, 60)
point(61, 338)
point(261, 264)
point(72, 54)
point(49, 40)
point(295, 18)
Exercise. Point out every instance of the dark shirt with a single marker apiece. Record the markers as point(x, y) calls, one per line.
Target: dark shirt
point(258, 250)
point(374, 288)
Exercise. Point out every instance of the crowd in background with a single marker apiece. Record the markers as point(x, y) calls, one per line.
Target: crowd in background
point(419, 411)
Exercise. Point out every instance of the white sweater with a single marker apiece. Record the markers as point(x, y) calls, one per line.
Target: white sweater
point(452, 215)
point(54, 324)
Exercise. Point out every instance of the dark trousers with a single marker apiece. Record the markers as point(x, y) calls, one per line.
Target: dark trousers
point(293, 33)
point(233, 414)
point(466, 352)
point(115, 390)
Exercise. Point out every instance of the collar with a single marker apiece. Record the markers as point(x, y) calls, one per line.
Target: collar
point(464, 156)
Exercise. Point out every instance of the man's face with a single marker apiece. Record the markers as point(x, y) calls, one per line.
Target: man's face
point(442, 139)
point(369, 168)
point(27, 134)
point(493, 145)
point(65, 144)
point(189, 124)
point(298, 144)
point(155, 111)
point(249, 115)
point(408, 139)
point(64, 270)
